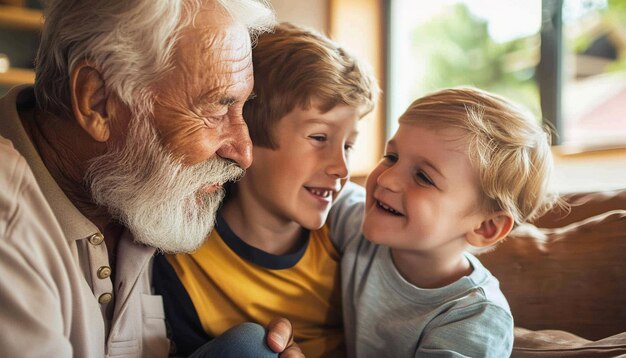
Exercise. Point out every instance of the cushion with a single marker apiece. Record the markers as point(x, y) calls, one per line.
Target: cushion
point(571, 278)
point(552, 343)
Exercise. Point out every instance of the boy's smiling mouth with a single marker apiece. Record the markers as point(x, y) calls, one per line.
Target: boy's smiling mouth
point(321, 192)
point(388, 208)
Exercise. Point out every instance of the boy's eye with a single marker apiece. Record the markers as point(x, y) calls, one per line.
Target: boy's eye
point(423, 179)
point(390, 158)
point(318, 137)
point(348, 147)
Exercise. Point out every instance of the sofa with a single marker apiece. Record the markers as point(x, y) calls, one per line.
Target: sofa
point(564, 276)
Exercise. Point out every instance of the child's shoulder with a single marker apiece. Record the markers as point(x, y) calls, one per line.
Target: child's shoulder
point(486, 286)
point(346, 216)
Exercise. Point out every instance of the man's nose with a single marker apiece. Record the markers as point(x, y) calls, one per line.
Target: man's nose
point(238, 146)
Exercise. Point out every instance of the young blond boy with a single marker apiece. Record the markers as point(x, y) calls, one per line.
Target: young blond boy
point(462, 170)
point(270, 254)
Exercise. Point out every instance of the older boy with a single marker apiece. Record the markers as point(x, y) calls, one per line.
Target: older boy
point(463, 168)
point(270, 254)
point(118, 109)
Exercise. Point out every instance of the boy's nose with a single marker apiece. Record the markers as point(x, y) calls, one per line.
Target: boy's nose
point(389, 179)
point(338, 166)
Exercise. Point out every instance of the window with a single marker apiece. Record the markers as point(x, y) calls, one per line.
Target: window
point(593, 85)
point(565, 60)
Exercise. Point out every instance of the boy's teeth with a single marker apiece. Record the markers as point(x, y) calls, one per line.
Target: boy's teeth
point(320, 192)
point(388, 208)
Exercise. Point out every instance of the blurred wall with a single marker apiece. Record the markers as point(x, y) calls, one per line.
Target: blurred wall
point(313, 13)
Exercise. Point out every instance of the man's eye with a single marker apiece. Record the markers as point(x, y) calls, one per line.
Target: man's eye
point(213, 120)
point(423, 179)
point(318, 137)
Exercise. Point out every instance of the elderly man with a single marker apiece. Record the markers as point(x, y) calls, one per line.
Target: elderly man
point(121, 148)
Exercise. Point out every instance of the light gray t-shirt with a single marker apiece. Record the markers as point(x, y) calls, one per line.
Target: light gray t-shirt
point(386, 316)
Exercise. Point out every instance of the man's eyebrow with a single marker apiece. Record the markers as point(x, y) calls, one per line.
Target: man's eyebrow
point(227, 101)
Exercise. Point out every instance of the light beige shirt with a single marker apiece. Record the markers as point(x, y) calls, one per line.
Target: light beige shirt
point(56, 295)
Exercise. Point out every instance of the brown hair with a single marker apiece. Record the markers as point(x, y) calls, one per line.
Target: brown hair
point(293, 66)
point(507, 146)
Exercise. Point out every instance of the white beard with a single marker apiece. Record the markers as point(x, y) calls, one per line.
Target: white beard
point(156, 197)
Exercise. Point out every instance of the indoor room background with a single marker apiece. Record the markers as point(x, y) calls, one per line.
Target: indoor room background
point(565, 60)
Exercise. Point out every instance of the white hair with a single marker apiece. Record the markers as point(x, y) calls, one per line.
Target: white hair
point(130, 41)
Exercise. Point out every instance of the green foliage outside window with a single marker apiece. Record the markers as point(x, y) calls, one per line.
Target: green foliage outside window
point(458, 51)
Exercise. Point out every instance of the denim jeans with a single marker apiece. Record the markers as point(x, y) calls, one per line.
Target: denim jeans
point(242, 341)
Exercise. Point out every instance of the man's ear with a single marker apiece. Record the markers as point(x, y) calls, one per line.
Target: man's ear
point(493, 229)
point(89, 101)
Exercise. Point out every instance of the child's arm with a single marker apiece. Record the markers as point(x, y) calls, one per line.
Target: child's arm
point(480, 330)
point(346, 215)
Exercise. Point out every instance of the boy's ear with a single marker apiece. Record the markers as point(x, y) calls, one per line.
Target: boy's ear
point(493, 229)
point(90, 101)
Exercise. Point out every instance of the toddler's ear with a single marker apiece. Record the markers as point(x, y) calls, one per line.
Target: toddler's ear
point(493, 229)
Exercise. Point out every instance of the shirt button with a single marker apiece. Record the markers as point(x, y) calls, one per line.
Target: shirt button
point(104, 272)
point(96, 239)
point(105, 298)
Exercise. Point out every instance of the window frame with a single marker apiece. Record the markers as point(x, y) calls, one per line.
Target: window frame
point(549, 75)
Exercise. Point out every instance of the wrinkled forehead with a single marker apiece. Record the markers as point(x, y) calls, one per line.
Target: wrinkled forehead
point(212, 57)
point(214, 30)
point(208, 48)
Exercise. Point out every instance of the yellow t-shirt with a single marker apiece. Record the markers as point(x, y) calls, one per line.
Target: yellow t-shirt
point(230, 282)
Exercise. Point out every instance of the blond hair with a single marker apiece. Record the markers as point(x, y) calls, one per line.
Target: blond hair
point(294, 66)
point(507, 146)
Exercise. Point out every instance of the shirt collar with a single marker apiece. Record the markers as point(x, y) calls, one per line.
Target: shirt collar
point(75, 225)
